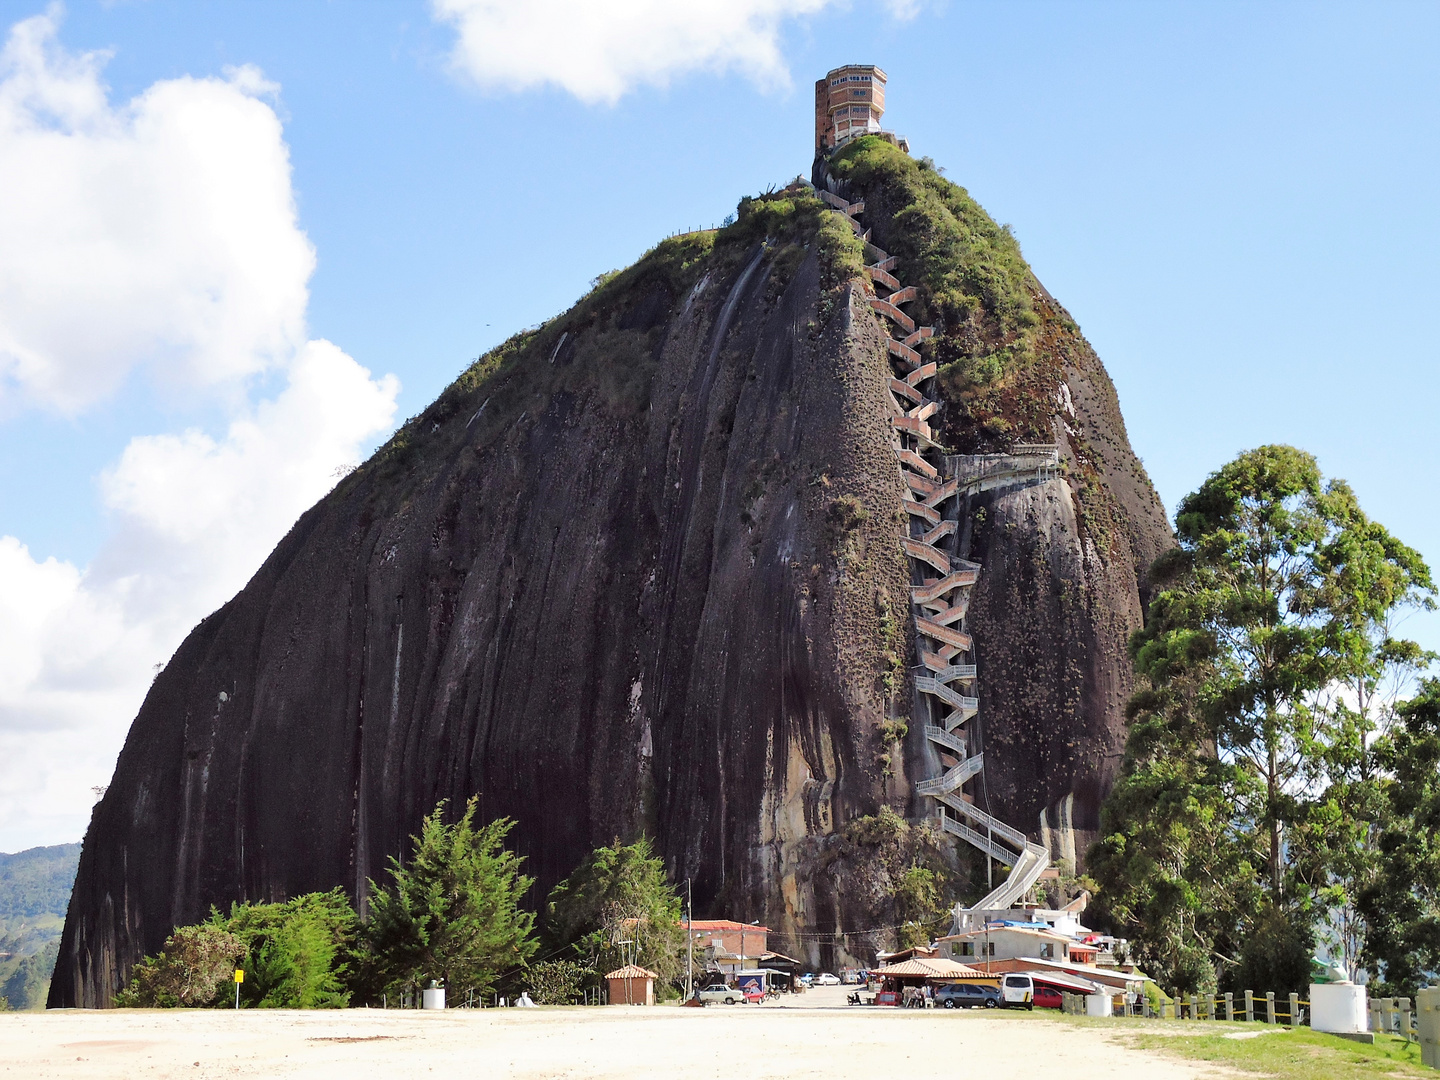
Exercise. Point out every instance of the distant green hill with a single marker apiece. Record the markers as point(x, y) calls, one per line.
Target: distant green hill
point(34, 893)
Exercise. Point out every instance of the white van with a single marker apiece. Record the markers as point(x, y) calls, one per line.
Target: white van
point(1017, 992)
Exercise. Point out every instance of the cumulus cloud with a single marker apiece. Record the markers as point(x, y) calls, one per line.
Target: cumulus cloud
point(159, 235)
point(598, 52)
point(161, 232)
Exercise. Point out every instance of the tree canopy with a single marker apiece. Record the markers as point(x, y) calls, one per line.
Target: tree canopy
point(1243, 819)
point(618, 907)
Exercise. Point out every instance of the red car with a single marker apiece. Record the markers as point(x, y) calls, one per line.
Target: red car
point(1047, 997)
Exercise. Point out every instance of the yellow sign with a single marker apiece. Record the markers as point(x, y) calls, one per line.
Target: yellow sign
point(239, 975)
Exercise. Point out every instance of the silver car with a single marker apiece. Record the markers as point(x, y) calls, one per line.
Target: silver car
point(725, 995)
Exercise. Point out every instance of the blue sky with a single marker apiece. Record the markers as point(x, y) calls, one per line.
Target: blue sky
point(1237, 203)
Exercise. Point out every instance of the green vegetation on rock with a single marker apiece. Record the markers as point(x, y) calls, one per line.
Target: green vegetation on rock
point(969, 270)
point(608, 344)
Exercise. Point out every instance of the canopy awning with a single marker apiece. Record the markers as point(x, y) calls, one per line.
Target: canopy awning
point(931, 968)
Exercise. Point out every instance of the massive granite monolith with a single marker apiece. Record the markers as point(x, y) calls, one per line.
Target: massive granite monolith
point(637, 571)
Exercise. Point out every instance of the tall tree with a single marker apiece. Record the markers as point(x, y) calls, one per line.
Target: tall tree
point(618, 906)
point(453, 912)
point(1401, 906)
point(1279, 593)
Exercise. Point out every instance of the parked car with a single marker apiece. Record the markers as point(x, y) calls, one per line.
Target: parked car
point(1017, 992)
point(826, 979)
point(1047, 997)
point(808, 979)
point(966, 996)
point(720, 993)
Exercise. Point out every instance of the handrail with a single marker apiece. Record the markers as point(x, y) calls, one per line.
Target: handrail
point(980, 817)
point(968, 705)
point(951, 778)
point(937, 734)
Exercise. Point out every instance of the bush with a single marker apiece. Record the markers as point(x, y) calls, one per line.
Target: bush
point(300, 952)
point(193, 968)
point(1275, 956)
point(558, 982)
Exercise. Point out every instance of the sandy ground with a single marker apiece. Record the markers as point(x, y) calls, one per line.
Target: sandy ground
point(815, 1036)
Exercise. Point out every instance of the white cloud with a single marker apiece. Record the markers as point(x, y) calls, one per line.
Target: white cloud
point(159, 235)
point(599, 51)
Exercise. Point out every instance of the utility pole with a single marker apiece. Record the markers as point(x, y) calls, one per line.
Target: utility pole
point(689, 941)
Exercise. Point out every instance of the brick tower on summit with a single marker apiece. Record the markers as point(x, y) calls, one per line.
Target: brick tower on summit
point(850, 101)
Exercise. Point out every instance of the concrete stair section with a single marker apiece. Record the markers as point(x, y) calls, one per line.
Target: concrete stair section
point(1021, 879)
point(951, 779)
point(998, 852)
point(940, 602)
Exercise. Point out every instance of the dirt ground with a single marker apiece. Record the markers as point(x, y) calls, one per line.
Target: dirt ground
point(815, 1035)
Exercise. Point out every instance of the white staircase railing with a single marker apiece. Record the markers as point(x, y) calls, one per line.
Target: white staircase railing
point(951, 779)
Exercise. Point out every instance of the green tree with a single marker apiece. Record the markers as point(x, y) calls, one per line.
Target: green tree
point(917, 901)
point(1401, 907)
point(299, 953)
point(618, 907)
point(1235, 821)
point(453, 913)
point(1372, 579)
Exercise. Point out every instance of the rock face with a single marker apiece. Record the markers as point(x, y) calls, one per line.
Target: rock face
point(636, 571)
point(1064, 568)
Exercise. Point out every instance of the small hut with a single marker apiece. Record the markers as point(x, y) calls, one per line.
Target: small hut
point(632, 985)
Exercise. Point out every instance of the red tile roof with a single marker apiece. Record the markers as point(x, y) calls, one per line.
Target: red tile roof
point(723, 924)
point(630, 971)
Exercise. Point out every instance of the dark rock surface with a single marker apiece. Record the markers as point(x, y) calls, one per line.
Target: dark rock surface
point(602, 586)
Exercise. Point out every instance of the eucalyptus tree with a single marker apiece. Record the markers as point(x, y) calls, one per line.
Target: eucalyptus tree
point(1260, 669)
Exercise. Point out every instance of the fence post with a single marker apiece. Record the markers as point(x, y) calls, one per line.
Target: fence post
point(1193, 1004)
point(1387, 1014)
point(1250, 1005)
point(1294, 1010)
point(1405, 1019)
point(1269, 1006)
point(1230, 1005)
point(1429, 1025)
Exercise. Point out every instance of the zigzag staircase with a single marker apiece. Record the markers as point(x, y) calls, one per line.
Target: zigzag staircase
point(941, 596)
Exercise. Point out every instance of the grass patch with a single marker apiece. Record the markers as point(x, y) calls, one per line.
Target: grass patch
point(1286, 1054)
